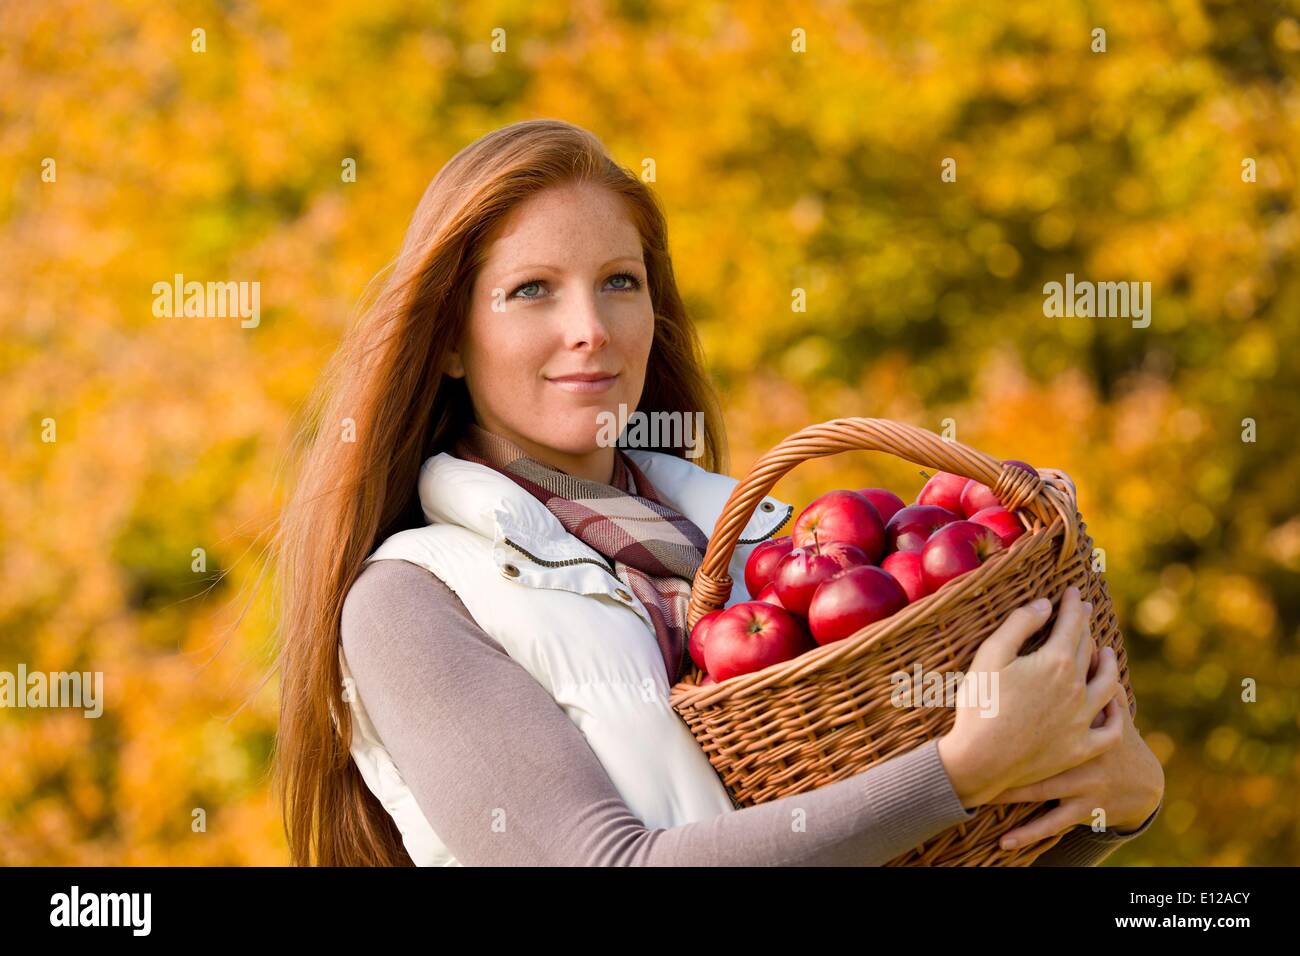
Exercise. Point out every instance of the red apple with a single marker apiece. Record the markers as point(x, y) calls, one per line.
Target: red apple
point(1002, 521)
point(887, 503)
point(841, 516)
point(912, 526)
point(800, 571)
point(943, 490)
point(752, 635)
point(707, 679)
point(976, 496)
point(768, 594)
point(762, 562)
point(851, 600)
point(905, 568)
point(955, 549)
point(698, 633)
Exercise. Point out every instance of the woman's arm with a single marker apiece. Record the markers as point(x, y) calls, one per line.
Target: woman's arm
point(479, 741)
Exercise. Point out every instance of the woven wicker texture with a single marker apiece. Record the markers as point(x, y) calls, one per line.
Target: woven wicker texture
point(827, 715)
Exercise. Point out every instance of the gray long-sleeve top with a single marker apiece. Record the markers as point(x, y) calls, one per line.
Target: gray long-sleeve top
point(474, 736)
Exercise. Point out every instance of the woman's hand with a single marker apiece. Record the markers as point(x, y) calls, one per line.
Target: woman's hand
point(1044, 705)
point(1127, 783)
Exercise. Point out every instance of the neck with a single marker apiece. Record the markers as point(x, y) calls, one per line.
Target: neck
point(596, 465)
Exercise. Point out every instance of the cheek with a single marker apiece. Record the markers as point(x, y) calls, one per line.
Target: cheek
point(633, 328)
point(505, 359)
point(639, 342)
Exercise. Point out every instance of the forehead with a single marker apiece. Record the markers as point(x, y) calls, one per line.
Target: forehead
point(565, 225)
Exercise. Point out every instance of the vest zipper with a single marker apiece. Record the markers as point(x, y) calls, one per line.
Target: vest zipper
point(560, 564)
point(789, 510)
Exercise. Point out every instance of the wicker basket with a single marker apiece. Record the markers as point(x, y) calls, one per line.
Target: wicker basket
point(826, 715)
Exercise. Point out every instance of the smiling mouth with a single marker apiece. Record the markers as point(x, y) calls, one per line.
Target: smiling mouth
point(583, 386)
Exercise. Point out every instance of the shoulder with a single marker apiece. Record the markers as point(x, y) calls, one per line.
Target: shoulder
point(440, 546)
point(392, 601)
point(386, 582)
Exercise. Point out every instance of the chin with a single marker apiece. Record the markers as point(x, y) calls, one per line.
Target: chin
point(580, 426)
point(572, 431)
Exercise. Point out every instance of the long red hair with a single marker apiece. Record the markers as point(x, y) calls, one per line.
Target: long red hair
point(381, 409)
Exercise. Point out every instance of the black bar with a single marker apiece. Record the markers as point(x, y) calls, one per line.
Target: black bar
point(707, 906)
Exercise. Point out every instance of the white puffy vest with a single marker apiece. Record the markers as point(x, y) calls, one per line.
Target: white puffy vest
point(550, 600)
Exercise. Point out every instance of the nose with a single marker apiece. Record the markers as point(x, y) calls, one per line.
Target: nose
point(583, 324)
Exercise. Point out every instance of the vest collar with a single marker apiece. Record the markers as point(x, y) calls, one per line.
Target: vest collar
point(474, 496)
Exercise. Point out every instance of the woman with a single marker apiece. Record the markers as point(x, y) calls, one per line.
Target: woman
point(492, 687)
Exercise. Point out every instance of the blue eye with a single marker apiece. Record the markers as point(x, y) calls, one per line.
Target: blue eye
point(633, 285)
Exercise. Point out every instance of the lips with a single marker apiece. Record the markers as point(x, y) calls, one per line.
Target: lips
point(585, 382)
point(583, 376)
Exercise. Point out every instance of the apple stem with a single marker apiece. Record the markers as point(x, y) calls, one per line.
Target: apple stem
point(817, 545)
point(924, 475)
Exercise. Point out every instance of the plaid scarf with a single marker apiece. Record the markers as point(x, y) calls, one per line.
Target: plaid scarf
point(654, 549)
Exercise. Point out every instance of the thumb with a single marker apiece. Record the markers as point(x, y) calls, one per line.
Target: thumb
point(1002, 646)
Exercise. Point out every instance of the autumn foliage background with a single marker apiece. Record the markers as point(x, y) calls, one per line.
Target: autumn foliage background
point(779, 170)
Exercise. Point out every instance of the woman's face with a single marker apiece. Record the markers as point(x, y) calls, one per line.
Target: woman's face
point(562, 293)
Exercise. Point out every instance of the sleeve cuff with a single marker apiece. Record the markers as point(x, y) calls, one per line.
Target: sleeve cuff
point(1083, 846)
point(1087, 836)
point(1120, 836)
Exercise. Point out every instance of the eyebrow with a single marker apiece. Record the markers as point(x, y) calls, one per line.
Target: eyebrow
point(528, 268)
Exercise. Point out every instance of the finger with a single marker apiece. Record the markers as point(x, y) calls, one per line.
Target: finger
point(1040, 828)
point(1122, 706)
point(1069, 630)
point(1029, 793)
point(1003, 645)
point(1110, 733)
point(1088, 645)
point(1115, 706)
point(1056, 787)
point(1105, 684)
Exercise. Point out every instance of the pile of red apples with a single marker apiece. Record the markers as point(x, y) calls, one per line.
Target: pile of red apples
point(852, 558)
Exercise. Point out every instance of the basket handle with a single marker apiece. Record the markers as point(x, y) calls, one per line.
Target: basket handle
point(1043, 497)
